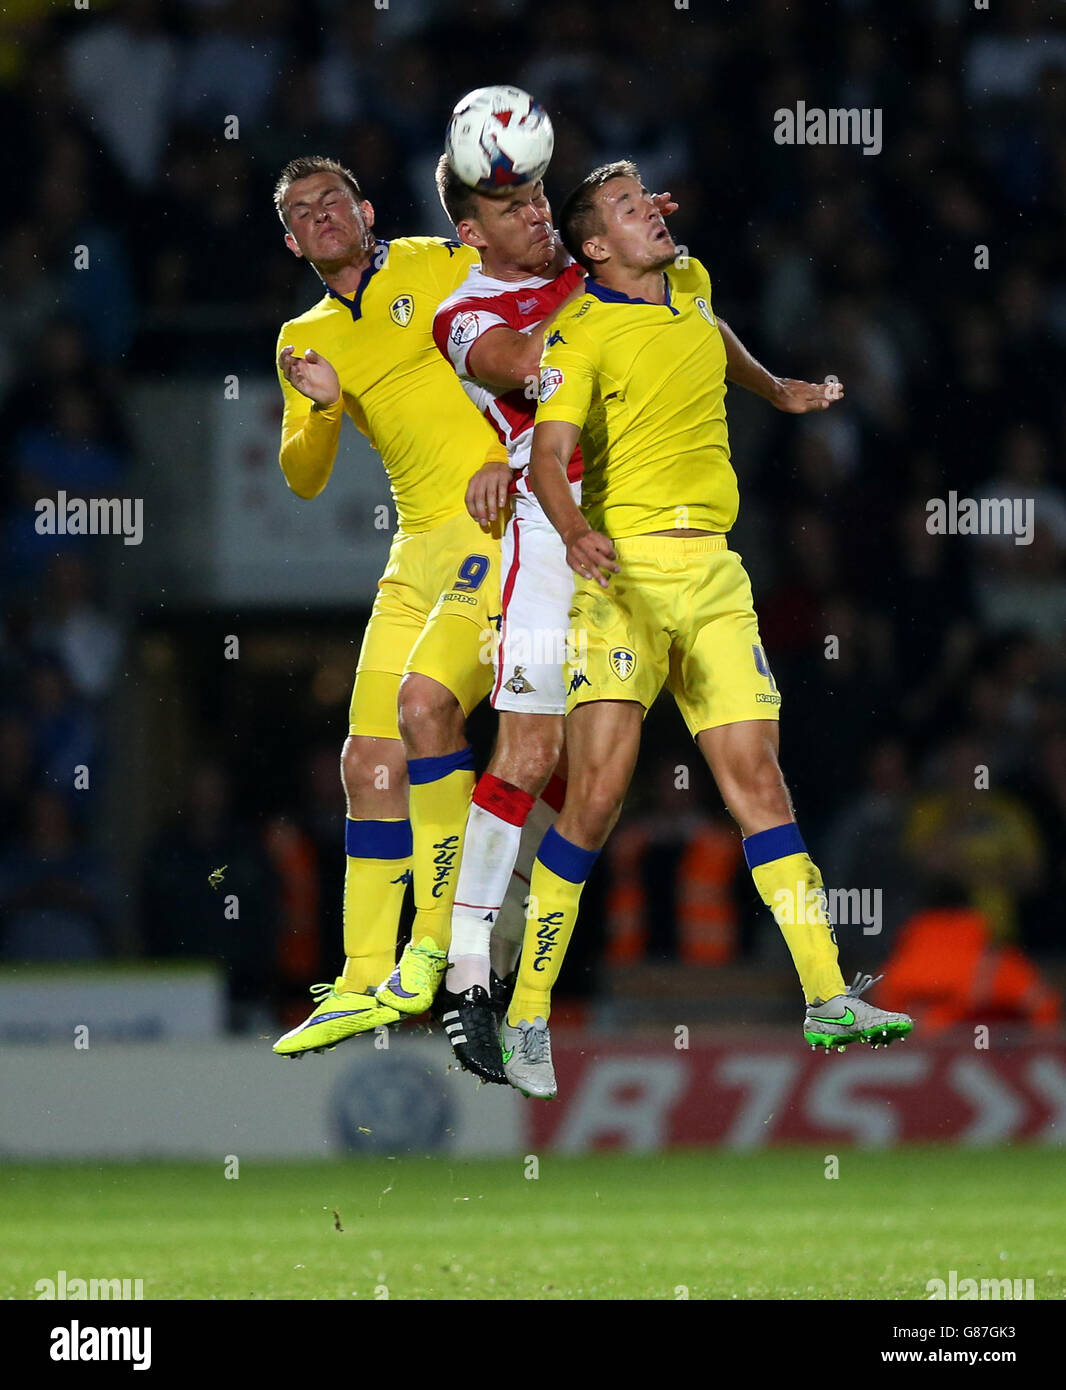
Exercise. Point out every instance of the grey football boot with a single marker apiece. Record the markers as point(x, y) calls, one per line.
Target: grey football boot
point(527, 1058)
point(847, 1018)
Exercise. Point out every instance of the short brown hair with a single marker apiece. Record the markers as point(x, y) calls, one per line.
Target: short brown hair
point(580, 215)
point(458, 199)
point(303, 168)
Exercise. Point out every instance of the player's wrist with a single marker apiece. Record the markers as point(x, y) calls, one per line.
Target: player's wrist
point(576, 532)
point(325, 405)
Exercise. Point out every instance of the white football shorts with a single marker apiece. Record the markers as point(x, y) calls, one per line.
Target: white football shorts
point(537, 589)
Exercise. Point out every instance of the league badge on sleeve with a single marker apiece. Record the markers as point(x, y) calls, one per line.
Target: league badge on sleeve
point(550, 381)
point(466, 328)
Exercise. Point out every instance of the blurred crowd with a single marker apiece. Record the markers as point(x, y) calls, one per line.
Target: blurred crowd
point(923, 675)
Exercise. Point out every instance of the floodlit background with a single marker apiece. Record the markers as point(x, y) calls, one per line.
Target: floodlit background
point(925, 745)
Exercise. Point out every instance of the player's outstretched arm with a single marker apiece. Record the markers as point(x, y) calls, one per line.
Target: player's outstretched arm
point(589, 553)
point(786, 393)
point(311, 425)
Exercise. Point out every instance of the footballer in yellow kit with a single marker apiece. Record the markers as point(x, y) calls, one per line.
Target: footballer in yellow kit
point(392, 389)
point(635, 369)
point(366, 350)
point(677, 614)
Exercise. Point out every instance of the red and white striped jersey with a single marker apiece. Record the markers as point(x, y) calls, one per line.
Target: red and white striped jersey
point(480, 304)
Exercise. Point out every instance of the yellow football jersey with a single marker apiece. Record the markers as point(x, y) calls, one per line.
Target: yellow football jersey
point(395, 385)
point(646, 384)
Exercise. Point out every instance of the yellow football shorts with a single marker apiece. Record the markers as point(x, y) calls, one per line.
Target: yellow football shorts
point(436, 611)
point(678, 614)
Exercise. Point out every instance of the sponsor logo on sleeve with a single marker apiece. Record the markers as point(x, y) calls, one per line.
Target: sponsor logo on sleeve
point(550, 381)
point(466, 328)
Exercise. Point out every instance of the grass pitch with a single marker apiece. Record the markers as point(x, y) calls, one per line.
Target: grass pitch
point(766, 1225)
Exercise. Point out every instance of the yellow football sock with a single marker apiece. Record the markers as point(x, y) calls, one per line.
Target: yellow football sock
point(441, 789)
point(790, 885)
point(376, 874)
point(559, 874)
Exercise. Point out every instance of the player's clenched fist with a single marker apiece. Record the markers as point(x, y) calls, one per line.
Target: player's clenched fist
point(311, 375)
point(592, 556)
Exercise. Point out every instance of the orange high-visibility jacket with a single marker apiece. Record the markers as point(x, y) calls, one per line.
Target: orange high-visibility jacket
point(707, 926)
point(946, 970)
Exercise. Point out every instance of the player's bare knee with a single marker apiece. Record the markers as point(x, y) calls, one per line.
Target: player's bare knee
point(528, 758)
point(353, 767)
point(372, 771)
point(544, 760)
point(431, 719)
point(768, 787)
point(757, 794)
point(596, 809)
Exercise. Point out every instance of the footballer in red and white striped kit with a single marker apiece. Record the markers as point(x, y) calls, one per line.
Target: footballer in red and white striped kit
point(492, 329)
point(536, 593)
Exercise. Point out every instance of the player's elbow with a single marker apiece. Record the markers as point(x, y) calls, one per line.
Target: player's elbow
point(529, 364)
point(303, 485)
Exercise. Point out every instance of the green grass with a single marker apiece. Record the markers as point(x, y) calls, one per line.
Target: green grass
point(762, 1225)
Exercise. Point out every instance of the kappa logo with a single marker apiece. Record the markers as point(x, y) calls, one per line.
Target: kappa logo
point(402, 310)
point(554, 337)
point(465, 328)
point(623, 662)
point(550, 381)
point(705, 310)
point(577, 680)
point(518, 685)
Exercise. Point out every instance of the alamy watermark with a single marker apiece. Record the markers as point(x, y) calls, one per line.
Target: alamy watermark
point(955, 1288)
point(77, 1343)
point(68, 1289)
point(985, 516)
point(814, 125)
point(537, 646)
point(90, 516)
point(841, 907)
point(64, 1288)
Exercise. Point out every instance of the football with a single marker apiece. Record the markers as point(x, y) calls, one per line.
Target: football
point(499, 137)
